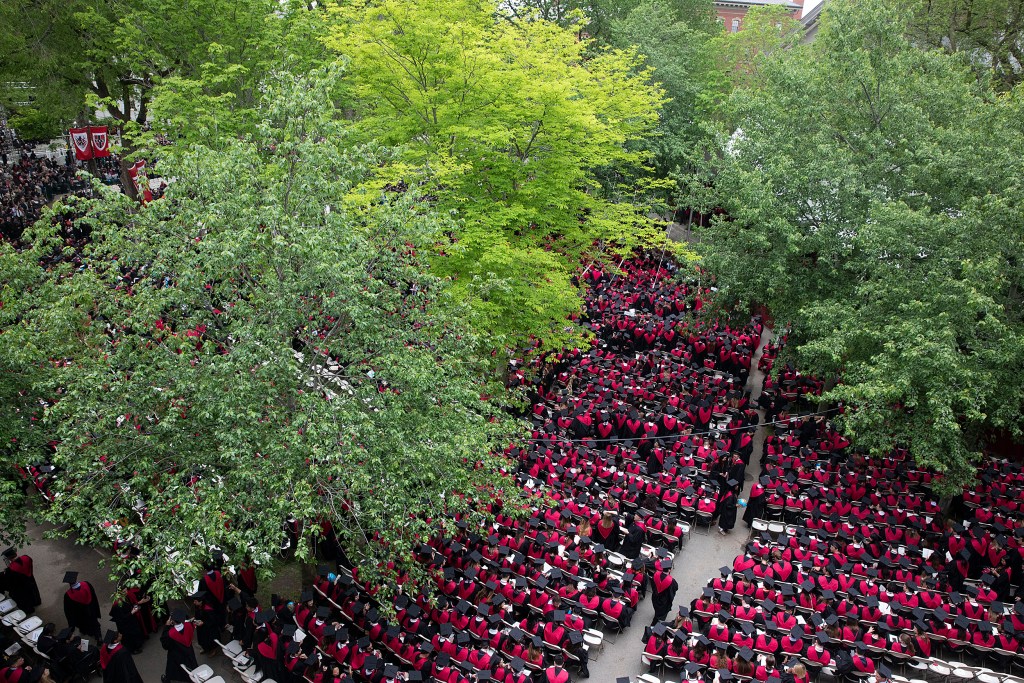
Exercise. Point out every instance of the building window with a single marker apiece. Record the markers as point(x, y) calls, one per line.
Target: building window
point(735, 25)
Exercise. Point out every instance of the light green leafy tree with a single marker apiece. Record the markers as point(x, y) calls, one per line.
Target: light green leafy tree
point(516, 130)
point(254, 346)
point(872, 193)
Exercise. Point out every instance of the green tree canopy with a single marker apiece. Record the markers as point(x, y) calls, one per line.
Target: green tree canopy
point(872, 191)
point(189, 70)
point(252, 347)
point(679, 49)
point(989, 32)
point(509, 125)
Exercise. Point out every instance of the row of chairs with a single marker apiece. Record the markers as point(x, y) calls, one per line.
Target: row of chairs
point(27, 628)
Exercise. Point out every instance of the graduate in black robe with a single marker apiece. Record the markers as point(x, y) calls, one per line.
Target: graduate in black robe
point(116, 661)
point(177, 639)
point(663, 590)
point(727, 509)
point(129, 630)
point(755, 504)
point(634, 539)
point(20, 581)
point(81, 606)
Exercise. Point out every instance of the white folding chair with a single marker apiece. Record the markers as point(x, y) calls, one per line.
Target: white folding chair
point(200, 674)
point(595, 642)
point(28, 625)
point(12, 619)
point(232, 649)
point(250, 674)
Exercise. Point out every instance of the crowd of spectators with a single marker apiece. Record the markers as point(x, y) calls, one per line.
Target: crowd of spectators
point(27, 185)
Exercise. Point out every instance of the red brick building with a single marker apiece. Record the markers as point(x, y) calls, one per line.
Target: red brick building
point(732, 12)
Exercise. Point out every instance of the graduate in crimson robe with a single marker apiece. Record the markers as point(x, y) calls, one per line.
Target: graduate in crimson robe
point(20, 581)
point(116, 661)
point(177, 640)
point(663, 590)
point(216, 594)
point(18, 672)
point(81, 606)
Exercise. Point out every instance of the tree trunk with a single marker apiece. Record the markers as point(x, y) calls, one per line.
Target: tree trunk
point(127, 183)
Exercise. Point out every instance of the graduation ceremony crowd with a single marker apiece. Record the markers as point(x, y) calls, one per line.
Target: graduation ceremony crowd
point(27, 185)
point(853, 567)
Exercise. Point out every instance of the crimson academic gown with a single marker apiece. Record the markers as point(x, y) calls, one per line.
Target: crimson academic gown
point(21, 584)
point(663, 594)
point(82, 609)
point(118, 665)
point(179, 651)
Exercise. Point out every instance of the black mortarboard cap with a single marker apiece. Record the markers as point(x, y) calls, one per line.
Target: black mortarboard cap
point(70, 577)
point(178, 616)
point(109, 637)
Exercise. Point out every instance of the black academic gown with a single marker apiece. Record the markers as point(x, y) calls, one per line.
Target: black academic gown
point(21, 584)
point(632, 543)
point(85, 616)
point(131, 631)
point(727, 512)
point(179, 651)
point(755, 508)
point(119, 666)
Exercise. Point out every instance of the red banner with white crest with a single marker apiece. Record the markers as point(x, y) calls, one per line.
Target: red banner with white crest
point(100, 141)
point(80, 143)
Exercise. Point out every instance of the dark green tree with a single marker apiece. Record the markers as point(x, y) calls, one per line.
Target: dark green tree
point(250, 347)
point(872, 196)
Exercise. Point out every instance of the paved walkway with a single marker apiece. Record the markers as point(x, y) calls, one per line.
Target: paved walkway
point(698, 561)
point(52, 557)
